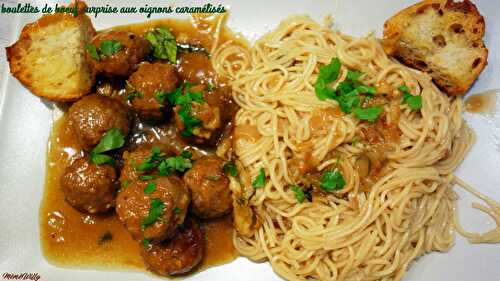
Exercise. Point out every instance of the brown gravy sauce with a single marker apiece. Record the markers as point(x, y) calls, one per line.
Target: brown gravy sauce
point(73, 239)
point(482, 102)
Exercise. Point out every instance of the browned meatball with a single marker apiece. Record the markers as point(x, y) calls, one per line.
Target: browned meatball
point(92, 116)
point(209, 187)
point(178, 255)
point(123, 58)
point(149, 80)
point(89, 187)
point(135, 205)
point(195, 67)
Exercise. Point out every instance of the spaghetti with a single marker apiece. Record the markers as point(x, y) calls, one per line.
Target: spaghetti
point(381, 220)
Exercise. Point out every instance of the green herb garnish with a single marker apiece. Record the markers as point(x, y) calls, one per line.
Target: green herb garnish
point(163, 44)
point(92, 50)
point(260, 180)
point(414, 102)
point(177, 210)
point(146, 243)
point(146, 177)
point(113, 139)
point(176, 163)
point(230, 169)
point(370, 114)
point(332, 180)
point(299, 193)
point(110, 47)
point(327, 74)
point(150, 188)
point(152, 161)
point(155, 212)
point(185, 101)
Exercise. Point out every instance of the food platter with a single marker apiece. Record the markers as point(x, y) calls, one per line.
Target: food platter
point(25, 123)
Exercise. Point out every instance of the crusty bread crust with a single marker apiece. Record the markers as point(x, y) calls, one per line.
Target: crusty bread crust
point(441, 37)
point(48, 58)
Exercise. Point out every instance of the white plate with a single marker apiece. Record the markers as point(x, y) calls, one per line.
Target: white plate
point(25, 125)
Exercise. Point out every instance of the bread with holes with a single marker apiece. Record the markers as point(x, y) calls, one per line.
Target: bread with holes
point(49, 59)
point(441, 37)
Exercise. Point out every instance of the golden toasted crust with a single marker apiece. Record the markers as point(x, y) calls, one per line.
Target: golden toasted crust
point(48, 58)
point(441, 37)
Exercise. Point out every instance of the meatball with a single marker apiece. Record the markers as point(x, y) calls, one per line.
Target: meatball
point(120, 58)
point(89, 187)
point(209, 187)
point(92, 116)
point(137, 203)
point(148, 83)
point(178, 255)
point(195, 67)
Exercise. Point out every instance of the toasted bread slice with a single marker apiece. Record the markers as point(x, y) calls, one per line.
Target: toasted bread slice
point(48, 58)
point(441, 37)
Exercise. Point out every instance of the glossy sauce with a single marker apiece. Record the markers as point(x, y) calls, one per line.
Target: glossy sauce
point(482, 102)
point(73, 239)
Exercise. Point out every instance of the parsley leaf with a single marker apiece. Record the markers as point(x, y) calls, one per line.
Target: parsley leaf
point(327, 74)
point(92, 50)
point(348, 101)
point(163, 44)
point(353, 75)
point(332, 180)
point(150, 188)
point(230, 168)
point(155, 212)
point(146, 243)
point(186, 154)
point(260, 180)
point(146, 177)
point(299, 193)
point(133, 93)
point(125, 183)
point(113, 139)
point(177, 210)
point(176, 163)
point(185, 100)
point(414, 102)
point(152, 161)
point(370, 114)
point(110, 47)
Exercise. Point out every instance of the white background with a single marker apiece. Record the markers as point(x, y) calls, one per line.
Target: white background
point(25, 125)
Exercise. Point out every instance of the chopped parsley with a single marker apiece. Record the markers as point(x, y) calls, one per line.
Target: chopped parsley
point(414, 102)
point(155, 212)
point(125, 183)
point(146, 243)
point(186, 154)
point(370, 114)
point(332, 180)
point(106, 49)
point(163, 44)
point(213, 178)
point(92, 50)
point(260, 180)
point(347, 93)
point(110, 47)
point(147, 177)
point(150, 188)
point(299, 193)
point(152, 161)
point(230, 169)
point(113, 139)
point(185, 101)
point(177, 210)
point(176, 163)
point(210, 87)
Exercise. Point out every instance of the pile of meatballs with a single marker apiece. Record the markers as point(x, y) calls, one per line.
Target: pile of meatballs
point(174, 242)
